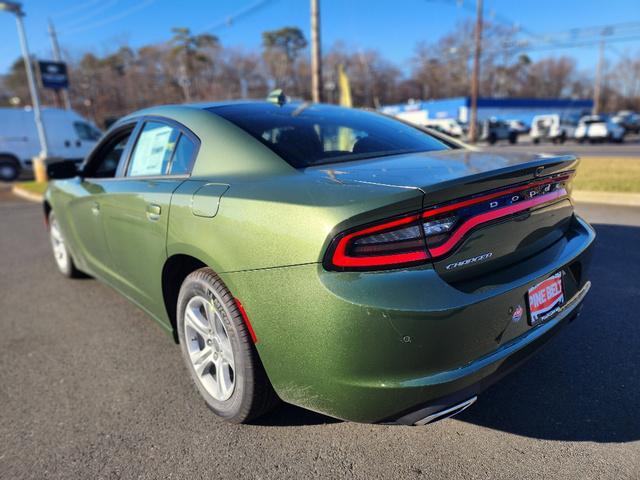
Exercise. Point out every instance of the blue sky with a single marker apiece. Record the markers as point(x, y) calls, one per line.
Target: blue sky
point(393, 27)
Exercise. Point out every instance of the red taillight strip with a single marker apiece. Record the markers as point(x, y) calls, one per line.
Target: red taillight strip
point(452, 241)
point(341, 259)
point(246, 321)
point(489, 196)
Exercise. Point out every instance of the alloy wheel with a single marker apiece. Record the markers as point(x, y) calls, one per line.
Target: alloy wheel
point(209, 347)
point(60, 252)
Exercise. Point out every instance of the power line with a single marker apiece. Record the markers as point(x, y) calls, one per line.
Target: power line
point(231, 19)
point(571, 38)
point(75, 9)
point(565, 45)
point(75, 22)
point(110, 19)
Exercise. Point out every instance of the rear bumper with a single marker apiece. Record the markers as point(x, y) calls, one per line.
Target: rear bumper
point(493, 367)
point(394, 345)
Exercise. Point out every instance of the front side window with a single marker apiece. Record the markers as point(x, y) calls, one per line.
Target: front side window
point(307, 134)
point(153, 150)
point(104, 164)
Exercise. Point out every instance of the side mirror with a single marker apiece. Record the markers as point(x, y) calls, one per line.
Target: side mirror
point(62, 169)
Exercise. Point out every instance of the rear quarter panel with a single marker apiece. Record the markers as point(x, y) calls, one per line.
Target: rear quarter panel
point(281, 221)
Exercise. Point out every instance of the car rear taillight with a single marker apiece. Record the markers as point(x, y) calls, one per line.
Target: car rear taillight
point(436, 232)
point(388, 244)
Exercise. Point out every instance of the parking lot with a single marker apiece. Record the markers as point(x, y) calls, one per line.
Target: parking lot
point(90, 387)
point(629, 148)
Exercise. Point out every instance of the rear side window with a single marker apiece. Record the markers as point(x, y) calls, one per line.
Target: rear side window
point(153, 151)
point(182, 157)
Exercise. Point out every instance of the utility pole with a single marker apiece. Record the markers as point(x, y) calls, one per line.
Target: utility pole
point(16, 9)
point(475, 78)
point(58, 58)
point(316, 54)
point(597, 89)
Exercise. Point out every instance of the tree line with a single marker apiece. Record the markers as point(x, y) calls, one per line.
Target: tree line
point(197, 67)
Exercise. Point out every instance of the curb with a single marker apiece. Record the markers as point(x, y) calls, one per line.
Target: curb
point(607, 198)
point(25, 194)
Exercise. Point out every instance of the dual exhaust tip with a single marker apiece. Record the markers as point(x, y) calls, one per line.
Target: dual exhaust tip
point(447, 412)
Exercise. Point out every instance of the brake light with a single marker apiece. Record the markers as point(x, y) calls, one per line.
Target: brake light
point(392, 243)
point(436, 232)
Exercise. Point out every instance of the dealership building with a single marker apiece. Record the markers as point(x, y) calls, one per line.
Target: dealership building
point(459, 108)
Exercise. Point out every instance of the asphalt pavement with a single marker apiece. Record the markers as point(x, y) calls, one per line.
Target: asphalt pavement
point(91, 388)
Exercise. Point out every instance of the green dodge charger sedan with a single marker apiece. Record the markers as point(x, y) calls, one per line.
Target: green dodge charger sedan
point(332, 258)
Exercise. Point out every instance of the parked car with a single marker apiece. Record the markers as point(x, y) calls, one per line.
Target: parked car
point(554, 127)
point(448, 126)
point(333, 258)
point(69, 136)
point(598, 128)
point(628, 120)
point(493, 130)
point(518, 126)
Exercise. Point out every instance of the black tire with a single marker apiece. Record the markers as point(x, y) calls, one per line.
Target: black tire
point(563, 137)
point(536, 141)
point(62, 257)
point(252, 394)
point(492, 138)
point(513, 138)
point(9, 168)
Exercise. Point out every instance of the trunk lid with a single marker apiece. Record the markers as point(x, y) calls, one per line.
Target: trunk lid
point(495, 209)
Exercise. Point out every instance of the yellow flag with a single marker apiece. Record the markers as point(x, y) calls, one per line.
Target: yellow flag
point(345, 88)
point(345, 140)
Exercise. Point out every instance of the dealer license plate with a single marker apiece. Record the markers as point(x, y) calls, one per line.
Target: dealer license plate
point(545, 299)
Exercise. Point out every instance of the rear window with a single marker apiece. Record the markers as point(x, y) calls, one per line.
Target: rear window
point(307, 134)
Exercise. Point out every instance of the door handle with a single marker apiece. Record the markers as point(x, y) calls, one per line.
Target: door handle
point(95, 208)
point(153, 211)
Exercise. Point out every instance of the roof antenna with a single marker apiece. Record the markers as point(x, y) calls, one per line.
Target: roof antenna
point(277, 96)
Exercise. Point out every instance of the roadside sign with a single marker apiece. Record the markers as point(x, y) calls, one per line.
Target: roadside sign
point(53, 74)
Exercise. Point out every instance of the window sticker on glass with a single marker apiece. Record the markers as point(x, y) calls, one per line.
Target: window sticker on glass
point(153, 150)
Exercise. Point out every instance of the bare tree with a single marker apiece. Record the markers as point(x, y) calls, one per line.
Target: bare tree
point(281, 50)
point(191, 52)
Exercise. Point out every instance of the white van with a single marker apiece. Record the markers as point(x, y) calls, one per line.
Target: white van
point(553, 127)
point(69, 136)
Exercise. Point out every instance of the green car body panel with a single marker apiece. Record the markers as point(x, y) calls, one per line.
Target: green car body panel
point(366, 346)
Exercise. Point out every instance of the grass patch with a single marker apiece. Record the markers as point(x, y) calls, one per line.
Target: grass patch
point(608, 174)
point(33, 187)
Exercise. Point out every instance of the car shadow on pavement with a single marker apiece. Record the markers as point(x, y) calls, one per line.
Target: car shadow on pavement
point(290, 415)
point(585, 384)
